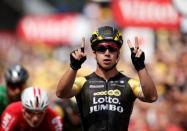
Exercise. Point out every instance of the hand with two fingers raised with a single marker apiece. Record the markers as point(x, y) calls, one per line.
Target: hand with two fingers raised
point(77, 57)
point(137, 55)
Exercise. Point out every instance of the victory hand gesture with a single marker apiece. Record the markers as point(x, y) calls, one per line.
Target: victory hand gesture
point(137, 55)
point(77, 57)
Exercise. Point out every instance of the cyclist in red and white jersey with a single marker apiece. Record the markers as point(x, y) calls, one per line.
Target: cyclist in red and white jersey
point(32, 113)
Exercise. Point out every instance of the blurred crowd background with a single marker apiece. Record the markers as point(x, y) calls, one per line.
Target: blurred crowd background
point(40, 34)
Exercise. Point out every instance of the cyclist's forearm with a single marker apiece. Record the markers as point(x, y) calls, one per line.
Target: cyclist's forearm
point(64, 87)
point(148, 86)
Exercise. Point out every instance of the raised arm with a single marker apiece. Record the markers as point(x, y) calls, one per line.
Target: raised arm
point(149, 92)
point(65, 87)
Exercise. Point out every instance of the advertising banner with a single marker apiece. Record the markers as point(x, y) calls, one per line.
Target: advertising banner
point(53, 29)
point(145, 13)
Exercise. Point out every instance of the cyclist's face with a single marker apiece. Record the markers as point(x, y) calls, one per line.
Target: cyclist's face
point(34, 119)
point(14, 92)
point(107, 54)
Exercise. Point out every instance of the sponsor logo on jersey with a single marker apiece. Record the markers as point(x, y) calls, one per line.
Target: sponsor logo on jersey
point(109, 93)
point(96, 82)
point(6, 121)
point(121, 82)
point(57, 123)
point(107, 100)
point(110, 107)
point(117, 83)
point(96, 86)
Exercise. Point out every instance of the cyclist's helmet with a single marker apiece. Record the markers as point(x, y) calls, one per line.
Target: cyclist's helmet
point(34, 99)
point(16, 75)
point(106, 33)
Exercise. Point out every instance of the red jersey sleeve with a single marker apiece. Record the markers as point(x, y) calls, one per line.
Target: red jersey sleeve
point(56, 122)
point(9, 118)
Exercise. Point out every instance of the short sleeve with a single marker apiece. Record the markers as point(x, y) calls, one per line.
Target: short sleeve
point(135, 86)
point(78, 84)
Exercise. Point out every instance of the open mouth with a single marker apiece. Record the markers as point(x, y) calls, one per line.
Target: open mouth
point(107, 61)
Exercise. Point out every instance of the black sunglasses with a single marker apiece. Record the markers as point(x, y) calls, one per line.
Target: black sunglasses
point(103, 48)
point(15, 85)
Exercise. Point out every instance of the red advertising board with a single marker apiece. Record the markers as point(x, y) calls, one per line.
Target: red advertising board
point(147, 13)
point(53, 29)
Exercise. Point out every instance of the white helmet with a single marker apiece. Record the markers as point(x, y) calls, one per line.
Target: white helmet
point(34, 99)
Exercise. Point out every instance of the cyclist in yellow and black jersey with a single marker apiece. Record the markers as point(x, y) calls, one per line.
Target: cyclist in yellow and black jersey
point(105, 98)
point(106, 104)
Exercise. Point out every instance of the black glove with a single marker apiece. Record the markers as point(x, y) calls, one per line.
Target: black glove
point(76, 64)
point(138, 62)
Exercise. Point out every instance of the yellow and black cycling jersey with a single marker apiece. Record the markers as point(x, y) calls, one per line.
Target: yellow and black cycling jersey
point(106, 105)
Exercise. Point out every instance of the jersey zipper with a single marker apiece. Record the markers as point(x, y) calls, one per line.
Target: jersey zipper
point(108, 106)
